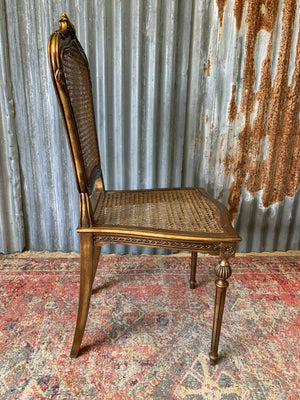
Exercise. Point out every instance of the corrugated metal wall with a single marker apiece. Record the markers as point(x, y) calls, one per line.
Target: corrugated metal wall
point(187, 93)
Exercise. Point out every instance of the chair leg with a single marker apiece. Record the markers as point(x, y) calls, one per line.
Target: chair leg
point(96, 256)
point(193, 283)
point(86, 275)
point(223, 271)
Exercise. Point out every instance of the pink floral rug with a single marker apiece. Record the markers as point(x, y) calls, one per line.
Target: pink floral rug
point(148, 334)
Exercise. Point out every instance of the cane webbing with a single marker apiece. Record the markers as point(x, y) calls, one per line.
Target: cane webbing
point(185, 210)
point(78, 83)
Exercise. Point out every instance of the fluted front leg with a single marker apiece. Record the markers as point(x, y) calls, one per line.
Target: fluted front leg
point(223, 272)
point(86, 281)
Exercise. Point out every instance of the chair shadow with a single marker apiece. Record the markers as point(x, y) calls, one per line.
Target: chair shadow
point(106, 338)
point(88, 348)
point(106, 285)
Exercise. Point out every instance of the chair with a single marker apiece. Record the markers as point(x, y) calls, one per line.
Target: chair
point(181, 219)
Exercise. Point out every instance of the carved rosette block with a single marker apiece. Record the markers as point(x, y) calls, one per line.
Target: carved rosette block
point(227, 250)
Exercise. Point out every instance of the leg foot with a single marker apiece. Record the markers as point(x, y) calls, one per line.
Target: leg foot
point(86, 275)
point(193, 282)
point(213, 358)
point(74, 351)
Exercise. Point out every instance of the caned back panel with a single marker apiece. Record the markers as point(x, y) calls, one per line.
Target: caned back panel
point(79, 88)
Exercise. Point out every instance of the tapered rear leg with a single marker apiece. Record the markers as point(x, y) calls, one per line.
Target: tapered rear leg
point(193, 283)
point(86, 280)
point(96, 256)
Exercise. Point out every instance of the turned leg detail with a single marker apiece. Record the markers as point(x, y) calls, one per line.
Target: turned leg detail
point(223, 272)
point(86, 281)
point(193, 283)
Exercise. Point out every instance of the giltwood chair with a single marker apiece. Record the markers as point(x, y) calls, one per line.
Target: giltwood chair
point(181, 219)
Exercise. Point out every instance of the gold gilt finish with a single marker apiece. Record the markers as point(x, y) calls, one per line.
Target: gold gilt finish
point(181, 219)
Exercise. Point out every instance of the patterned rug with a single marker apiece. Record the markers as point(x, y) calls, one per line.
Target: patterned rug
point(148, 334)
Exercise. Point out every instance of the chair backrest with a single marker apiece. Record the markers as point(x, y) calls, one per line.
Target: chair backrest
point(71, 78)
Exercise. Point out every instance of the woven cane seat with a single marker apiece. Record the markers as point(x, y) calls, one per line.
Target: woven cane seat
point(180, 210)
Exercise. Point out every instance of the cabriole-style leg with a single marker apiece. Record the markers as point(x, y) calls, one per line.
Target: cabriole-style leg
point(223, 272)
point(193, 283)
point(86, 280)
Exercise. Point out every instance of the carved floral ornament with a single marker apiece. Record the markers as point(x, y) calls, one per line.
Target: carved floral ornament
point(226, 250)
point(65, 25)
point(214, 247)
